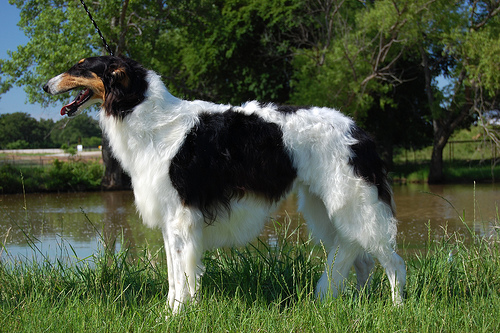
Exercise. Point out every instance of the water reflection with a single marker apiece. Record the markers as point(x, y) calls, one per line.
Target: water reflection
point(445, 206)
point(86, 221)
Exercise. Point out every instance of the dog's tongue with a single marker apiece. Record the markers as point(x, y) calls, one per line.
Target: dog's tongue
point(68, 107)
point(80, 99)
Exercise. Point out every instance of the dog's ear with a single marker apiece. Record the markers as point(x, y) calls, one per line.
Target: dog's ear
point(120, 76)
point(124, 87)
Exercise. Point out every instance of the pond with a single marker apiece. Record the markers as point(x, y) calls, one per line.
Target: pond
point(76, 225)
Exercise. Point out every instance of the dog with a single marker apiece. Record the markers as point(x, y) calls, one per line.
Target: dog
point(209, 175)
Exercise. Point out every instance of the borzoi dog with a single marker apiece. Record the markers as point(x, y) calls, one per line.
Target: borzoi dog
point(209, 175)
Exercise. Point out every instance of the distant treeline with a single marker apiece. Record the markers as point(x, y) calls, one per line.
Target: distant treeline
point(20, 131)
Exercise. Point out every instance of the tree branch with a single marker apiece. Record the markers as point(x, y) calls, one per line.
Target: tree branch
point(493, 10)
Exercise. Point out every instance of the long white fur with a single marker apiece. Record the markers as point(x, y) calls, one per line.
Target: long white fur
point(342, 210)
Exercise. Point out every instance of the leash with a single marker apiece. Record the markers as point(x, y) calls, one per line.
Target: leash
point(97, 28)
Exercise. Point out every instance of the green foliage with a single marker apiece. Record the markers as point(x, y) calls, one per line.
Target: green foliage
point(94, 141)
point(234, 51)
point(228, 51)
point(18, 144)
point(370, 69)
point(19, 130)
point(69, 150)
point(61, 176)
point(483, 51)
point(77, 130)
point(56, 31)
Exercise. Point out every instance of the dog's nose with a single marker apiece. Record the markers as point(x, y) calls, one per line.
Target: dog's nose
point(46, 87)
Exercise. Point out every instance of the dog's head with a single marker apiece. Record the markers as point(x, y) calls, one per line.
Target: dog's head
point(118, 83)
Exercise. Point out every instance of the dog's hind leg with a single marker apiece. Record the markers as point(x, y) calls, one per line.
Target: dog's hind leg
point(396, 273)
point(184, 241)
point(340, 260)
point(363, 225)
point(381, 242)
point(370, 223)
point(363, 266)
point(341, 254)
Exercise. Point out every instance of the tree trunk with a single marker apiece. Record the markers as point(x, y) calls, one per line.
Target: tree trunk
point(445, 121)
point(436, 174)
point(114, 178)
point(387, 153)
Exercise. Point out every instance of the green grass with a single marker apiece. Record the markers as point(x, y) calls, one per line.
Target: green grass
point(453, 286)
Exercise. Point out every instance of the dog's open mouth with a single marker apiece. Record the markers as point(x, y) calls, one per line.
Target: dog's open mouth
point(82, 97)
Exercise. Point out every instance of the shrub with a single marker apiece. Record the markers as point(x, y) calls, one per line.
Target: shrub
point(18, 144)
point(74, 176)
point(60, 176)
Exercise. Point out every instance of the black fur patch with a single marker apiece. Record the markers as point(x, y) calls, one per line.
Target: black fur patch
point(291, 108)
point(368, 165)
point(228, 155)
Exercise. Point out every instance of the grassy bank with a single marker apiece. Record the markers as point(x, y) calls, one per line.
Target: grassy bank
point(453, 285)
point(59, 176)
point(467, 157)
point(455, 173)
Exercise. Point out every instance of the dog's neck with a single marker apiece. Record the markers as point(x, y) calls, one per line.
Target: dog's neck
point(158, 93)
point(155, 121)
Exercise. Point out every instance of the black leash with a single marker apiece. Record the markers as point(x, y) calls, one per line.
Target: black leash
point(97, 28)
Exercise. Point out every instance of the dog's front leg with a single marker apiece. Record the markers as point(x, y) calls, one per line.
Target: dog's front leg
point(184, 247)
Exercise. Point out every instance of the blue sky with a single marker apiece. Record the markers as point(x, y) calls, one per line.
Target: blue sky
point(11, 36)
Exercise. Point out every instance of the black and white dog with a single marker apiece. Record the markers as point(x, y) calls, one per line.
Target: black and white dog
point(209, 175)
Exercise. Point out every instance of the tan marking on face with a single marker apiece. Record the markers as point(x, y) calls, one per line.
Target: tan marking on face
point(81, 60)
point(93, 83)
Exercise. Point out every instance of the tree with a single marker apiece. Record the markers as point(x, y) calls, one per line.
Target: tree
point(72, 131)
point(375, 60)
point(460, 43)
point(20, 130)
point(373, 56)
point(230, 51)
point(365, 67)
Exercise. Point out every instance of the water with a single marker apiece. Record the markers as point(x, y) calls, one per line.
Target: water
point(76, 225)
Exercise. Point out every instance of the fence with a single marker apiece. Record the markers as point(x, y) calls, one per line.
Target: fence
point(484, 149)
point(472, 151)
point(44, 157)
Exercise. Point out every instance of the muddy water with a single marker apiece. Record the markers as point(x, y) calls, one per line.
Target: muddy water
point(78, 224)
